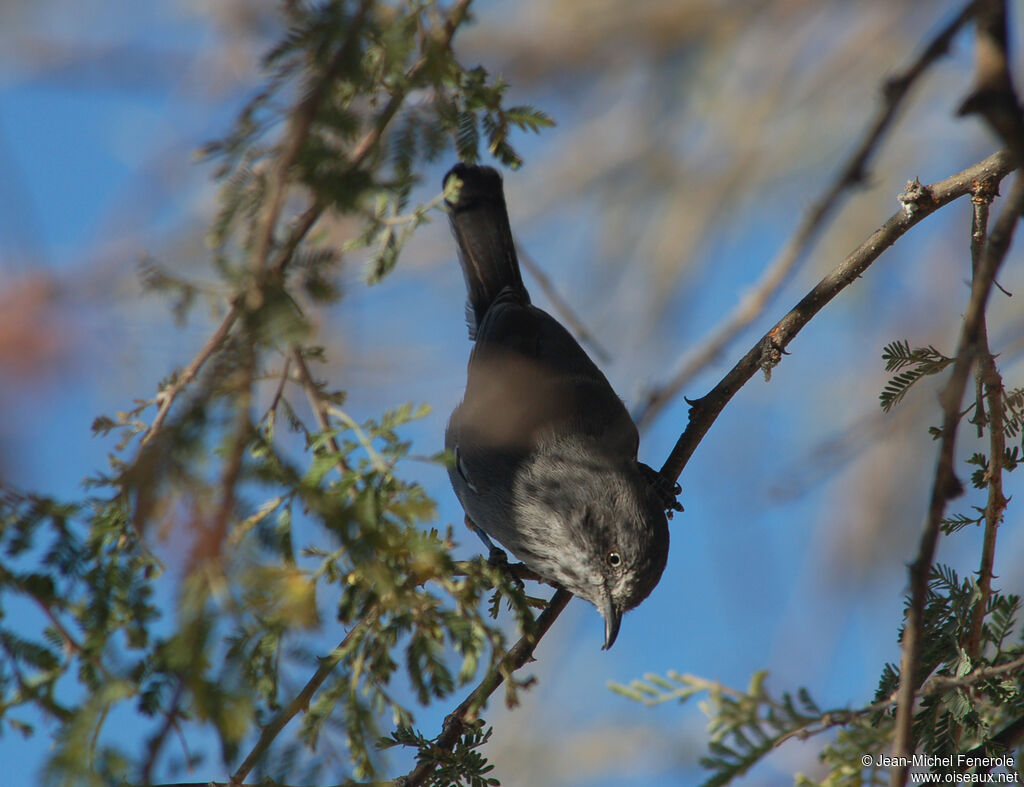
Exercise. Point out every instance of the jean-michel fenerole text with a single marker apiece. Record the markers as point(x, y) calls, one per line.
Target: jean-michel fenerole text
point(946, 761)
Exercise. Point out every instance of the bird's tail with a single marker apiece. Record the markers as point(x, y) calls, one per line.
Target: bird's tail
point(487, 252)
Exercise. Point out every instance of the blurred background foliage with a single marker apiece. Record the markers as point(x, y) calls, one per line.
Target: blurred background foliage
point(691, 135)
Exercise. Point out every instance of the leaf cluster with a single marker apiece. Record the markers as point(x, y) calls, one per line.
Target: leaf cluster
point(464, 764)
point(288, 515)
point(915, 364)
point(969, 674)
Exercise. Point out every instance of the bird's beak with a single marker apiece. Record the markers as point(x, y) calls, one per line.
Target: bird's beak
point(612, 620)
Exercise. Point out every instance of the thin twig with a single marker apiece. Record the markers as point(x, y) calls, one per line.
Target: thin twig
point(1004, 740)
point(368, 143)
point(518, 655)
point(213, 536)
point(993, 96)
point(767, 352)
point(305, 221)
point(275, 400)
point(167, 396)
point(319, 405)
point(852, 174)
point(157, 741)
point(937, 684)
point(946, 485)
point(70, 643)
point(298, 129)
point(300, 701)
point(989, 381)
point(299, 124)
point(562, 306)
point(995, 99)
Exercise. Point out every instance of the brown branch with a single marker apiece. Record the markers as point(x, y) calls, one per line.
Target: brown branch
point(919, 202)
point(298, 130)
point(990, 381)
point(213, 536)
point(299, 124)
point(303, 224)
point(167, 396)
point(1007, 738)
point(368, 143)
point(157, 741)
point(70, 643)
point(300, 701)
point(296, 134)
point(455, 723)
point(275, 400)
point(946, 485)
point(319, 406)
point(937, 684)
point(993, 96)
point(995, 99)
point(851, 174)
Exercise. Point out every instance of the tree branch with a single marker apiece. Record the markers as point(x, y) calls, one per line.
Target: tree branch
point(318, 405)
point(851, 174)
point(518, 655)
point(369, 141)
point(1007, 738)
point(919, 202)
point(296, 134)
point(300, 702)
point(989, 381)
point(995, 99)
point(937, 684)
point(993, 96)
point(299, 124)
point(166, 397)
point(157, 741)
point(946, 485)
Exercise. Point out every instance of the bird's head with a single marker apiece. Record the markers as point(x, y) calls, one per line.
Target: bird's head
point(610, 543)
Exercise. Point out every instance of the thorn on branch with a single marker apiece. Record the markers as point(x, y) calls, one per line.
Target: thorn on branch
point(915, 197)
point(771, 354)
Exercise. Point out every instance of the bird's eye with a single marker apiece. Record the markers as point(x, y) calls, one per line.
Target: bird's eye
point(614, 559)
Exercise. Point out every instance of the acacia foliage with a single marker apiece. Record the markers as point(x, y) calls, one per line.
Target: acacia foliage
point(295, 515)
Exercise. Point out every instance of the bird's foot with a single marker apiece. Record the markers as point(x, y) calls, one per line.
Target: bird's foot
point(496, 556)
point(666, 490)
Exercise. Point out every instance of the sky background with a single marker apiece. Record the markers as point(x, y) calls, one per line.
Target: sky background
point(690, 139)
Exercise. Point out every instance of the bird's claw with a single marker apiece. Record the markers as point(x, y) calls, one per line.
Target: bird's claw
point(496, 556)
point(666, 489)
point(499, 560)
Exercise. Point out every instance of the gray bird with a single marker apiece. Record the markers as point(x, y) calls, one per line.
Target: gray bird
point(545, 451)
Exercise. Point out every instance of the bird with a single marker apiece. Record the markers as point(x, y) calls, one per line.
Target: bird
point(544, 452)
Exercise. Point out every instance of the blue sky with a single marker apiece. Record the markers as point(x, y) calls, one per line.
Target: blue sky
point(96, 147)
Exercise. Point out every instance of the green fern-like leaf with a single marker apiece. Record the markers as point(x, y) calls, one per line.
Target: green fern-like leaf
point(467, 138)
point(528, 118)
point(922, 362)
point(955, 522)
point(1013, 413)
